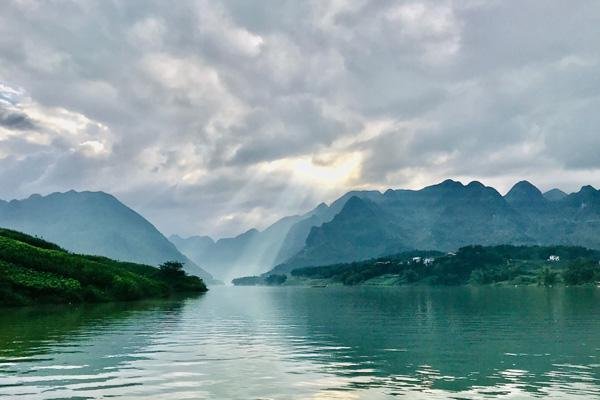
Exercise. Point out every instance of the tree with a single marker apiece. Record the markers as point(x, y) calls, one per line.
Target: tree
point(172, 269)
point(547, 277)
point(581, 272)
point(479, 276)
point(411, 275)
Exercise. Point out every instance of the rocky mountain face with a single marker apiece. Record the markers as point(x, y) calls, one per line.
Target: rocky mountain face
point(447, 216)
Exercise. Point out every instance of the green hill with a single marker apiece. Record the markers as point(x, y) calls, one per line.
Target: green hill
point(33, 271)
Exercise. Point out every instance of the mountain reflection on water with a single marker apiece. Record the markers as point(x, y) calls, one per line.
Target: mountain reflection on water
point(281, 343)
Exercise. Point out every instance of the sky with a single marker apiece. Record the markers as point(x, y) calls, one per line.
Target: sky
point(213, 117)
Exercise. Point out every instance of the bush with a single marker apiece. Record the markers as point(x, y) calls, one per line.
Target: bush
point(582, 272)
point(172, 269)
point(547, 277)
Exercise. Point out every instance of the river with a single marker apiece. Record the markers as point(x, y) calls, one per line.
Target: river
point(310, 343)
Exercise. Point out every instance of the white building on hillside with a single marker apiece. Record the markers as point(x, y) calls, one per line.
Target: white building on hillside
point(554, 258)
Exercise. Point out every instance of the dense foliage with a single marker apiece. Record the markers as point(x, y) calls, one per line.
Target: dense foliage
point(35, 271)
point(269, 280)
point(471, 264)
point(358, 272)
point(582, 271)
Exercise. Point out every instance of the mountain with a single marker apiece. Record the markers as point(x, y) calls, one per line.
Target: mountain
point(254, 252)
point(193, 247)
point(441, 217)
point(524, 194)
point(250, 252)
point(446, 216)
point(94, 223)
point(555, 195)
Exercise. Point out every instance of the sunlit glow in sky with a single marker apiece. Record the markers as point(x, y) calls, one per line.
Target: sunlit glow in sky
point(213, 117)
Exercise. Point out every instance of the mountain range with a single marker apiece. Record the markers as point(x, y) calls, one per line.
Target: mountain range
point(357, 226)
point(365, 224)
point(253, 251)
point(448, 216)
point(94, 223)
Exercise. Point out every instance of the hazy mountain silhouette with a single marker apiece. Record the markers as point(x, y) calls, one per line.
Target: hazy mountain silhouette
point(254, 252)
point(555, 195)
point(93, 223)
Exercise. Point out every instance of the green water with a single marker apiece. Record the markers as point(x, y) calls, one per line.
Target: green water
point(310, 343)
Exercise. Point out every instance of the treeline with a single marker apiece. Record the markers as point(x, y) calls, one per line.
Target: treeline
point(361, 271)
point(471, 264)
point(268, 280)
point(35, 271)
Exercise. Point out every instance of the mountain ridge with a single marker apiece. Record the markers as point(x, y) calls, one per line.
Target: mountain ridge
point(94, 223)
point(449, 215)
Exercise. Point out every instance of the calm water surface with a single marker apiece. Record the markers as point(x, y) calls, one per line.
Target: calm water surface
point(310, 343)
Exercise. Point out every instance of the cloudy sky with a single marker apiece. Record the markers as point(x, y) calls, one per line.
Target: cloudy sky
point(211, 117)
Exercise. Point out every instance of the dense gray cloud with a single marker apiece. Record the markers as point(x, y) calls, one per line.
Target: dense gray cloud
point(212, 117)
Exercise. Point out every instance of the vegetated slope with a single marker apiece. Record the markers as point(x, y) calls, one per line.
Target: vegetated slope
point(33, 271)
point(470, 264)
point(94, 223)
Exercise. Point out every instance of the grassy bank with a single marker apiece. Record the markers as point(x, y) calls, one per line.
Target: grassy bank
point(33, 271)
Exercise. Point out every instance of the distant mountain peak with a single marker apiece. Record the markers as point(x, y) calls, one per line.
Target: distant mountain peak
point(321, 206)
point(525, 187)
point(524, 193)
point(179, 238)
point(586, 193)
point(451, 183)
point(555, 195)
point(525, 184)
point(447, 186)
point(355, 205)
point(475, 185)
point(588, 189)
point(353, 202)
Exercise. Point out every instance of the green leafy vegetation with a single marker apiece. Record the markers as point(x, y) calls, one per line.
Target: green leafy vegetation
point(357, 272)
point(34, 271)
point(472, 264)
point(581, 272)
point(269, 280)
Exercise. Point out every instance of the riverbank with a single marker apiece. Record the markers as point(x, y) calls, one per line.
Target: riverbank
point(33, 271)
point(471, 265)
